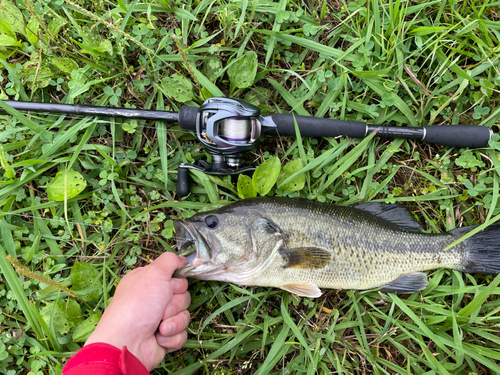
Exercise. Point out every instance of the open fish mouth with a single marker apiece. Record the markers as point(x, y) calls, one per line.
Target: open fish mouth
point(197, 249)
point(186, 242)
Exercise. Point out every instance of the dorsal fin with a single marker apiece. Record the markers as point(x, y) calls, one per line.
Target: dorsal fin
point(305, 257)
point(396, 214)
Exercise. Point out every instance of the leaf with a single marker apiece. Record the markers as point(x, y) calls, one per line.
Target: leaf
point(6, 28)
point(205, 82)
point(288, 170)
point(85, 277)
point(56, 24)
point(3, 353)
point(66, 185)
point(338, 54)
point(39, 76)
point(222, 182)
point(5, 164)
point(32, 31)
point(265, 175)
point(46, 136)
point(212, 67)
point(64, 64)
point(13, 16)
point(105, 46)
point(7, 41)
point(184, 14)
point(242, 72)
point(178, 87)
point(85, 328)
point(207, 184)
point(486, 87)
point(203, 41)
point(245, 187)
point(67, 314)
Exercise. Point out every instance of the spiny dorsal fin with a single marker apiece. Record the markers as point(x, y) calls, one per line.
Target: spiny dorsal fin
point(409, 283)
point(396, 214)
point(303, 290)
point(305, 257)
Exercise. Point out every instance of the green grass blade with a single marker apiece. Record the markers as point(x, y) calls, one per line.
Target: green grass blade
point(291, 324)
point(479, 299)
point(21, 118)
point(273, 355)
point(12, 280)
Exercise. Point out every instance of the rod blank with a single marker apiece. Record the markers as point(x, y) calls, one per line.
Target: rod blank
point(88, 110)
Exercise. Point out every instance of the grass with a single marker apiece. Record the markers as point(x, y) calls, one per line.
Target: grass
point(409, 63)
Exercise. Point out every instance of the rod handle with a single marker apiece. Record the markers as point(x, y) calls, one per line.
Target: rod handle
point(315, 126)
point(472, 136)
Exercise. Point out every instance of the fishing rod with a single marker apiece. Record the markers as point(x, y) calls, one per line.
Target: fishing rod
point(229, 128)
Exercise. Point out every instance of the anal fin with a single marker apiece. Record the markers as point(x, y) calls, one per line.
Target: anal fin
point(409, 283)
point(303, 290)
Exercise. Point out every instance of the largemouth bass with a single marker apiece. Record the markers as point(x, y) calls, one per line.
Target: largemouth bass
point(302, 246)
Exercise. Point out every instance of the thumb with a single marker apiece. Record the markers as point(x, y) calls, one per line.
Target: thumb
point(167, 263)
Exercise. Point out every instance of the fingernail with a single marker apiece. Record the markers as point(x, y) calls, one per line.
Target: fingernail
point(169, 329)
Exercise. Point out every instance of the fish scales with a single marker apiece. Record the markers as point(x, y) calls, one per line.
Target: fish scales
point(366, 252)
point(302, 245)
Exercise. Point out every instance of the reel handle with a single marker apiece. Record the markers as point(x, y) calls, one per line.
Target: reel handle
point(182, 181)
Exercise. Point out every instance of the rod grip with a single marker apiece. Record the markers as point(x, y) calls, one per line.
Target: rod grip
point(317, 127)
point(472, 136)
point(187, 117)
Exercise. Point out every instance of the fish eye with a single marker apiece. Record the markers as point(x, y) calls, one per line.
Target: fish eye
point(211, 221)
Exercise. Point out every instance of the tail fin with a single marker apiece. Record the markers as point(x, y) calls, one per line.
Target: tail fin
point(483, 250)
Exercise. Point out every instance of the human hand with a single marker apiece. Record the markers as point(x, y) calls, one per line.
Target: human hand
point(148, 312)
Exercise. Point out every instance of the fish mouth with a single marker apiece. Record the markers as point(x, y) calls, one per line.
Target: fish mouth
point(200, 257)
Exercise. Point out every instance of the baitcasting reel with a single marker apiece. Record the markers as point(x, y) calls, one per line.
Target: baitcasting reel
point(227, 128)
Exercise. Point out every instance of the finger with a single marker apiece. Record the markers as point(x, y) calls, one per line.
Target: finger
point(172, 343)
point(175, 324)
point(179, 286)
point(166, 264)
point(178, 303)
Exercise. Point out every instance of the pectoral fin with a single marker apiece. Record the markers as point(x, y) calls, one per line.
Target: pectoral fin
point(409, 283)
point(305, 257)
point(303, 290)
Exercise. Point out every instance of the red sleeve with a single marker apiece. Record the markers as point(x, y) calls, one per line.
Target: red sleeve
point(104, 359)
